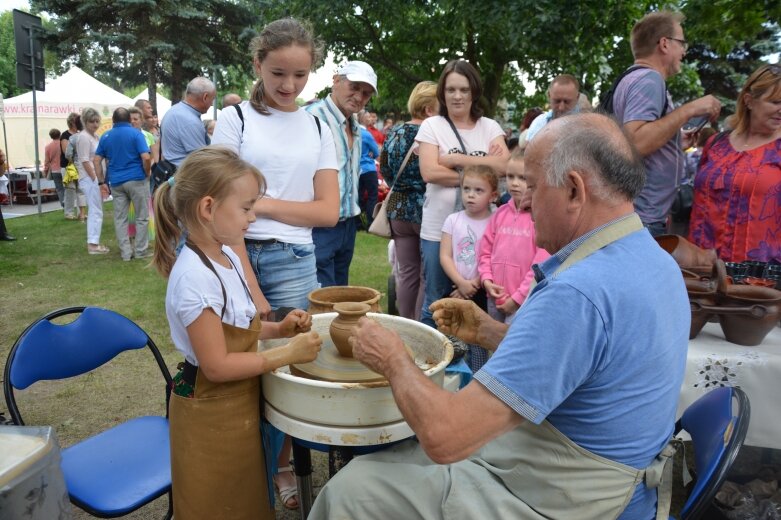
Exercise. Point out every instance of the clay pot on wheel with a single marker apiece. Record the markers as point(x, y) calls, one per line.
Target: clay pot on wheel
point(342, 326)
point(687, 254)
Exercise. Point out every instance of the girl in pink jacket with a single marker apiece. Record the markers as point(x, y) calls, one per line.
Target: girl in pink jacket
point(508, 251)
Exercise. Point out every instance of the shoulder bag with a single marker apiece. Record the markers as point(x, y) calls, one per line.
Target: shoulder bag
point(163, 169)
point(459, 205)
point(381, 225)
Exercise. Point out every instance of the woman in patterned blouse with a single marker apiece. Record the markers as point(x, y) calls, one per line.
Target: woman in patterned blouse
point(405, 206)
point(737, 189)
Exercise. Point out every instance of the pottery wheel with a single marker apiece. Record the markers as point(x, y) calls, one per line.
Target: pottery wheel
point(331, 366)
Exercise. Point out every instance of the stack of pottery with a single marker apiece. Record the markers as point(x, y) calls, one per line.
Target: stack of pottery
point(747, 313)
point(687, 255)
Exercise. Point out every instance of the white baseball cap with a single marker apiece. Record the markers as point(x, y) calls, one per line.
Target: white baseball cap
point(359, 71)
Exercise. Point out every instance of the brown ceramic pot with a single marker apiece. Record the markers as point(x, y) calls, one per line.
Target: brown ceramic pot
point(323, 300)
point(747, 313)
point(342, 326)
point(687, 254)
point(703, 295)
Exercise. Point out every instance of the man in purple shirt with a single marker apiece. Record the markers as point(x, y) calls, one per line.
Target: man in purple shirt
point(643, 106)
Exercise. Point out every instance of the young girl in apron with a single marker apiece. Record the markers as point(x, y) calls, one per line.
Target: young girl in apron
point(217, 457)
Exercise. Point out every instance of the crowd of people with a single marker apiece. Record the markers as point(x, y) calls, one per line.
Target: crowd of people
point(537, 252)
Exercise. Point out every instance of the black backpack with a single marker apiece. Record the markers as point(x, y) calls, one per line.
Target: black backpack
point(606, 102)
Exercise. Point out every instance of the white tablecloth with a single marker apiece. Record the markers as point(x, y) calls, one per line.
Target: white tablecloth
point(712, 362)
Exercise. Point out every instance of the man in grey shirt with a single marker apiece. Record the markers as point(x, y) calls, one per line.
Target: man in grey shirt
point(182, 130)
point(643, 106)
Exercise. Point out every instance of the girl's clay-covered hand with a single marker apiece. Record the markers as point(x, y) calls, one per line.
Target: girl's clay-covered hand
point(304, 347)
point(296, 322)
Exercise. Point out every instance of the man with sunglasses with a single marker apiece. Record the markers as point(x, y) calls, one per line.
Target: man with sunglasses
point(642, 104)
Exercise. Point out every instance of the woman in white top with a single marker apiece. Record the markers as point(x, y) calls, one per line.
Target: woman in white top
point(459, 136)
point(297, 156)
point(89, 184)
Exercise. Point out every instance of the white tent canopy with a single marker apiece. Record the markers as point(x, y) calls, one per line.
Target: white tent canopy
point(71, 92)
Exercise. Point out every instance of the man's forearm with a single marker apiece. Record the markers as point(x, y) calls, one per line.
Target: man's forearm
point(491, 334)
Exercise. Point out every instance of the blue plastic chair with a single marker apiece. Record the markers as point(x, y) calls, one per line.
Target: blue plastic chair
point(717, 434)
point(120, 469)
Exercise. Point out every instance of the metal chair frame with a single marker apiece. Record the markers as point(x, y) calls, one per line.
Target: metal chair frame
point(717, 435)
point(73, 368)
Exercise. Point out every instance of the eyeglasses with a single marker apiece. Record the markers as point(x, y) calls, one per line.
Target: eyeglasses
point(683, 43)
point(773, 69)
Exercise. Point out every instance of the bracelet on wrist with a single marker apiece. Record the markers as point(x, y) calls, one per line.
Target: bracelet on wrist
point(101, 183)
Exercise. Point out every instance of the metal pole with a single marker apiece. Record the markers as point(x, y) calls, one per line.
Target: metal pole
point(214, 103)
point(35, 122)
point(5, 132)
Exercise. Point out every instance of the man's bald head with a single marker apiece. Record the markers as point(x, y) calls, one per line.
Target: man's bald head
point(230, 99)
point(595, 145)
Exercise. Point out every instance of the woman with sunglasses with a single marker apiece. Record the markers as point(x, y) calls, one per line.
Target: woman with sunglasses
point(737, 188)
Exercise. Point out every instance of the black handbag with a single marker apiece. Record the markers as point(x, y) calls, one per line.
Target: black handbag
point(163, 169)
point(161, 172)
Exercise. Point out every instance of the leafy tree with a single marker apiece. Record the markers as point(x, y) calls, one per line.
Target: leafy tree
point(130, 42)
point(8, 56)
point(409, 41)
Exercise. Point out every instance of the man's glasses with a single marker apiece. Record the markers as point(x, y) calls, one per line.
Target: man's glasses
point(683, 43)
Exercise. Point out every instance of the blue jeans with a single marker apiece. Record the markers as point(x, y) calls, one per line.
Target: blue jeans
point(334, 249)
point(438, 285)
point(656, 228)
point(286, 272)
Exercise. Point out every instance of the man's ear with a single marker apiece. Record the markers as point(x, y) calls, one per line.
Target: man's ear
point(576, 188)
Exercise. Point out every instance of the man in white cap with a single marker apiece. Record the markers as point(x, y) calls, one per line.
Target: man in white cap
point(354, 83)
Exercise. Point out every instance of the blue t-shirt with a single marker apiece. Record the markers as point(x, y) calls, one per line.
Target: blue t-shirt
point(122, 147)
point(182, 132)
point(640, 96)
point(369, 152)
point(599, 351)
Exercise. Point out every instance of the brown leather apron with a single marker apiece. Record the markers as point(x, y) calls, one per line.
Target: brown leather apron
point(217, 459)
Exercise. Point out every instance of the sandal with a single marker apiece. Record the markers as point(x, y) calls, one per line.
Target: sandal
point(99, 249)
point(287, 494)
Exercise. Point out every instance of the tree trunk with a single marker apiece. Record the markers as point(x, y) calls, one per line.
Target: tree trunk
point(151, 82)
point(178, 81)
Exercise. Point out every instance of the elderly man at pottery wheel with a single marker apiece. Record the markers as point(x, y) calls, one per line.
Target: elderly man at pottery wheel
point(571, 416)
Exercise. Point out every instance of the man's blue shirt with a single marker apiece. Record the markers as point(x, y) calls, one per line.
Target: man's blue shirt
point(182, 132)
point(122, 147)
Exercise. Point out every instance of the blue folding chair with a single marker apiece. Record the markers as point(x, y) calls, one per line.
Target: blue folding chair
point(717, 434)
point(120, 469)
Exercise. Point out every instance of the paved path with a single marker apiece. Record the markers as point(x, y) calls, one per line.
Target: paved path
point(20, 210)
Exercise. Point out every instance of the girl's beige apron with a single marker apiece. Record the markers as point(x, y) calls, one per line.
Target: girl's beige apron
point(217, 460)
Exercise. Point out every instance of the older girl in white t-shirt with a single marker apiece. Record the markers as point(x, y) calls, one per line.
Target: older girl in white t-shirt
point(443, 152)
point(297, 156)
